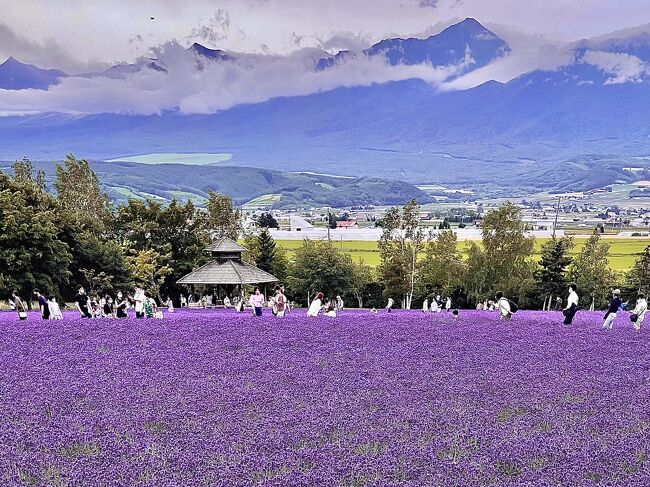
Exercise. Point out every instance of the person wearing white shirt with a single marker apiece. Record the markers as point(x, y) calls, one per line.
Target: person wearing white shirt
point(639, 311)
point(448, 305)
point(139, 298)
point(389, 306)
point(571, 305)
point(503, 305)
point(315, 306)
point(55, 310)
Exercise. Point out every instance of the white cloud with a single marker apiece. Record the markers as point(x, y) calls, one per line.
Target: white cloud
point(621, 67)
point(218, 86)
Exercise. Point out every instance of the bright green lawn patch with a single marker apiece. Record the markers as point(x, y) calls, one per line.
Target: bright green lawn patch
point(623, 252)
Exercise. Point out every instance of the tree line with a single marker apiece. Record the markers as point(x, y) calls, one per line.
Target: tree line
point(57, 240)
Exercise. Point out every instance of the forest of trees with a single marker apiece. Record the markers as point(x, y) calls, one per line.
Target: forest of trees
point(74, 236)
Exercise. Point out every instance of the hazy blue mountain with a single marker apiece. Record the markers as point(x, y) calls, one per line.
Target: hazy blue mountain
point(570, 128)
point(122, 180)
point(15, 75)
point(452, 46)
point(215, 54)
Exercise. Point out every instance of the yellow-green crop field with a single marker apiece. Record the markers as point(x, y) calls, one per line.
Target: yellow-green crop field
point(623, 252)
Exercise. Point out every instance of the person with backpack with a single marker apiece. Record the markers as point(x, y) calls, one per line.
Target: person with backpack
point(571, 305)
point(503, 305)
point(614, 306)
point(640, 309)
point(280, 303)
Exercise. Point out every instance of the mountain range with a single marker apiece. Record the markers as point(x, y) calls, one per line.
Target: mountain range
point(576, 127)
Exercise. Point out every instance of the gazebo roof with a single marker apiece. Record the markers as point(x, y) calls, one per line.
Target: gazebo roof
point(225, 245)
point(227, 272)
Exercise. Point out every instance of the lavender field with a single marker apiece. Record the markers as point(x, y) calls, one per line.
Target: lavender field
point(215, 398)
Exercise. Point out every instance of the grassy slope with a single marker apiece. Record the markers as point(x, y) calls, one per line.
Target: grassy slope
point(622, 253)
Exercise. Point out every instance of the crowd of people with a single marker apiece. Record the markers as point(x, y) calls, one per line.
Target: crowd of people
point(145, 305)
point(96, 306)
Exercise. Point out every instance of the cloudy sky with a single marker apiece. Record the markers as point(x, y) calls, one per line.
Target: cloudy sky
point(282, 39)
point(69, 32)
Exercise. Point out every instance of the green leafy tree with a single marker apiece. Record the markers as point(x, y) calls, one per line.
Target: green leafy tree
point(638, 277)
point(177, 230)
point(267, 220)
point(363, 276)
point(223, 220)
point(266, 255)
point(442, 271)
point(149, 269)
point(33, 253)
point(591, 273)
point(88, 226)
point(506, 264)
point(400, 243)
point(318, 266)
point(551, 274)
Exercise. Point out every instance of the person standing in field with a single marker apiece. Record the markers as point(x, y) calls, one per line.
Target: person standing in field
point(81, 302)
point(19, 306)
point(638, 315)
point(339, 304)
point(42, 304)
point(503, 305)
point(121, 305)
point(257, 302)
point(448, 305)
point(55, 310)
point(425, 305)
point(139, 299)
point(614, 306)
point(280, 302)
point(315, 306)
point(571, 305)
point(389, 305)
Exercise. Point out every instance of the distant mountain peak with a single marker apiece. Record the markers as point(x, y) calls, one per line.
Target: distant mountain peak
point(15, 75)
point(216, 54)
point(467, 39)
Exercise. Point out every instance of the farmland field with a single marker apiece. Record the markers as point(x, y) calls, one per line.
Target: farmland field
point(623, 252)
point(217, 398)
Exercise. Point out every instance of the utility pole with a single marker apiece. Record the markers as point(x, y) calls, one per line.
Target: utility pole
point(557, 211)
point(329, 219)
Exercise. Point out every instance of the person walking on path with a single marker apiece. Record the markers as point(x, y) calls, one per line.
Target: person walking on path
point(19, 306)
point(81, 302)
point(503, 305)
point(315, 306)
point(42, 304)
point(257, 302)
point(638, 315)
point(571, 305)
point(614, 306)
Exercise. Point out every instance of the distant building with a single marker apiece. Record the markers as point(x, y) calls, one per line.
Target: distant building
point(346, 224)
point(299, 224)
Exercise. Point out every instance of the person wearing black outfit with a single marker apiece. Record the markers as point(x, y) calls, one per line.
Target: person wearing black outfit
point(42, 304)
point(571, 305)
point(81, 300)
point(614, 306)
point(121, 305)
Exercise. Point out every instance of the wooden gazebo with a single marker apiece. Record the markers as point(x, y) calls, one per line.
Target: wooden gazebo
point(227, 268)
